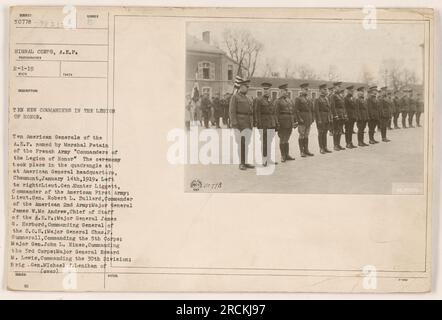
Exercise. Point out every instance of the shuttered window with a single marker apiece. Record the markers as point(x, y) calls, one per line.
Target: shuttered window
point(206, 70)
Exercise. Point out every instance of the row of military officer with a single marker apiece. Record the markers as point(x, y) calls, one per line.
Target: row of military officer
point(332, 111)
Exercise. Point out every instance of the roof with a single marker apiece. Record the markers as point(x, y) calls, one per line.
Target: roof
point(195, 44)
point(295, 83)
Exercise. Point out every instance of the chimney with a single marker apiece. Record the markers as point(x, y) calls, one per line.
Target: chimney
point(206, 37)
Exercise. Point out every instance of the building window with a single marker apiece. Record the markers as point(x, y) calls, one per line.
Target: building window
point(208, 90)
point(258, 93)
point(206, 70)
point(229, 72)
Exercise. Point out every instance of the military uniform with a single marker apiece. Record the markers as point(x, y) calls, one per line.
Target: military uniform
point(412, 108)
point(225, 109)
point(304, 114)
point(265, 119)
point(322, 115)
point(397, 111)
point(241, 116)
point(350, 109)
point(384, 116)
point(361, 118)
point(285, 118)
point(206, 106)
point(373, 115)
point(404, 110)
point(217, 110)
point(419, 110)
point(339, 116)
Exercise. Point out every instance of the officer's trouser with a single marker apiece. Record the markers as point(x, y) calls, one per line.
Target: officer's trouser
point(349, 125)
point(267, 136)
point(304, 131)
point(418, 118)
point(338, 129)
point(361, 124)
point(242, 138)
point(383, 124)
point(322, 134)
point(205, 116)
point(395, 117)
point(284, 136)
point(372, 123)
point(410, 118)
point(404, 119)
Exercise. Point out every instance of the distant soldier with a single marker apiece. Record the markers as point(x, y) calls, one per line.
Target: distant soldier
point(225, 101)
point(411, 108)
point(217, 109)
point(361, 115)
point(391, 107)
point(304, 114)
point(384, 114)
point(322, 115)
point(419, 109)
point(350, 109)
point(286, 120)
point(404, 107)
point(339, 115)
point(397, 109)
point(264, 117)
point(330, 92)
point(206, 107)
point(241, 116)
point(373, 113)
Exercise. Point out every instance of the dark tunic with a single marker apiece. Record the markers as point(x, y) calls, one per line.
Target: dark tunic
point(240, 110)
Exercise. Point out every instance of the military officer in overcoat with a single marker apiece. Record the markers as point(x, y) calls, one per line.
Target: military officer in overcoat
point(241, 117)
point(419, 108)
point(339, 115)
point(265, 119)
point(350, 109)
point(361, 115)
point(373, 113)
point(286, 121)
point(322, 115)
point(411, 108)
point(304, 114)
point(397, 108)
point(404, 107)
point(384, 113)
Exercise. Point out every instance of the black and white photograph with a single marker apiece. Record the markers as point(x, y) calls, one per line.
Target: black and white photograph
point(305, 107)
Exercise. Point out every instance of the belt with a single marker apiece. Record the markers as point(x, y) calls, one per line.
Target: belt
point(285, 113)
point(267, 114)
point(244, 114)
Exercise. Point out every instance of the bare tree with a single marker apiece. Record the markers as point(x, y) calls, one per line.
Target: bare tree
point(395, 76)
point(304, 71)
point(244, 49)
point(288, 69)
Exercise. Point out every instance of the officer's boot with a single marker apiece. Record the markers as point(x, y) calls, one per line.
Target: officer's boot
point(335, 143)
point(306, 150)
point(288, 157)
point(324, 142)
point(301, 147)
point(321, 143)
point(283, 154)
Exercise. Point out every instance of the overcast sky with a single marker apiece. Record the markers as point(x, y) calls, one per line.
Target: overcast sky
point(348, 46)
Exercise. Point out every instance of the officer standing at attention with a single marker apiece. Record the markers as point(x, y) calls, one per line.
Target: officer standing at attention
point(361, 116)
point(264, 112)
point(322, 115)
point(397, 108)
point(304, 113)
point(384, 112)
point(286, 120)
point(339, 115)
point(404, 107)
point(373, 113)
point(419, 108)
point(350, 109)
point(241, 116)
point(206, 106)
point(411, 108)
